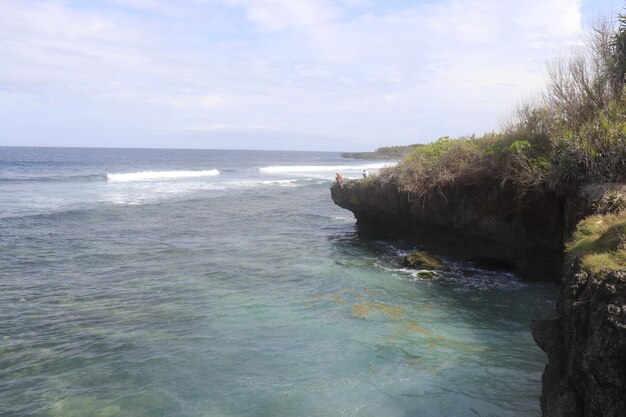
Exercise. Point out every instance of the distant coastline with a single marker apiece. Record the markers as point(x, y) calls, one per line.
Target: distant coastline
point(386, 152)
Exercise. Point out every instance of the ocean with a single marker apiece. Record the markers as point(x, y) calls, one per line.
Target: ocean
point(153, 282)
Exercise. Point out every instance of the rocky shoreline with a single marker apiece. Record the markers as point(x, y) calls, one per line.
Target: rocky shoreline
point(586, 343)
point(468, 222)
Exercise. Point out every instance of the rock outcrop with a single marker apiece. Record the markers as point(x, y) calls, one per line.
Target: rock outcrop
point(586, 346)
point(424, 260)
point(485, 222)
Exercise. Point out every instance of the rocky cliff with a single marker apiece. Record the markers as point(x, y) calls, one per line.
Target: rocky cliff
point(485, 222)
point(586, 343)
point(586, 346)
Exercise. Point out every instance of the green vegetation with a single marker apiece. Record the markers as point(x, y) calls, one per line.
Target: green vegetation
point(386, 152)
point(612, 202)
point(573, 134)
point(600, 241)
point(396, 151)
point(369, 181)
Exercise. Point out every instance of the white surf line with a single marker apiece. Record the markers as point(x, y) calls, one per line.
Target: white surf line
point(157, 175)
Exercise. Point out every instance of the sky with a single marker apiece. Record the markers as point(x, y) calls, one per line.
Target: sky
point(329, 75)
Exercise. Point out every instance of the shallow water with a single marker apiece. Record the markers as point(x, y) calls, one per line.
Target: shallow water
point(241, 293)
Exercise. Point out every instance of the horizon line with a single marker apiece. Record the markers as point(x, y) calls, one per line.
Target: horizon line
point(179, 149)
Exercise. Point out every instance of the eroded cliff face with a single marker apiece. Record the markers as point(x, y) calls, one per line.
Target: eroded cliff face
point(586, 343)
point(468, 221)
point(586, 347)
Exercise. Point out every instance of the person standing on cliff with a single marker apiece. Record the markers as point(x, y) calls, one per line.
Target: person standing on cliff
point(338, 177)
point(364, 174)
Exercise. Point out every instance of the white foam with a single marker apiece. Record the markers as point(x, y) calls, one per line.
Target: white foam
point(146, 192)
point(160, 175)
point(479, 279)
point(342, 219)
point(304, 169)
point(260, 183)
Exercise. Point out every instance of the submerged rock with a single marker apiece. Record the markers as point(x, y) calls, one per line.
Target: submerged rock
point(428, 275)
point(424, 260)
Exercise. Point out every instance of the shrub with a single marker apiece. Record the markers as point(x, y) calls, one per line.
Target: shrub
point(574, 134)
point(613, 202)
point(435, 165)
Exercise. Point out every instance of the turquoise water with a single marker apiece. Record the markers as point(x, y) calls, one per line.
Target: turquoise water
point(245, 292)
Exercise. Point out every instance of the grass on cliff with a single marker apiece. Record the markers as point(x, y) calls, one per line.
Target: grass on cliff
point(600, 241)
point(573, 134)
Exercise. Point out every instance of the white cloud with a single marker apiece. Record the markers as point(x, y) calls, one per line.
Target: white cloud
point(227, 128)
point(194, 102)
point(285, 14)
point(347, 69)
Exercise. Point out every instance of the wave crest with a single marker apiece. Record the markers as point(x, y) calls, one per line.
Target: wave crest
point(280, 169)
point(159, 175)
point(322, 171)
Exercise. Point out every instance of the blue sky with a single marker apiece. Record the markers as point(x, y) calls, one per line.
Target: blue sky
point(274, 74)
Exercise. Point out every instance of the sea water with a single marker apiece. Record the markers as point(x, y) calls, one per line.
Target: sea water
point(227, 283)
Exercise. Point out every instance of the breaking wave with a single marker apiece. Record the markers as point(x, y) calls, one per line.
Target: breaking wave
point(288, 169)
point(160, 175)
point(322, 171)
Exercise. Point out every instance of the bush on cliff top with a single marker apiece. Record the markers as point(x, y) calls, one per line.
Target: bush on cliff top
point(600, 241)
point(573, 135)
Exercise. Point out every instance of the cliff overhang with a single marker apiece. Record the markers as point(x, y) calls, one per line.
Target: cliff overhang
point(470, 221)
point(487, 221)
